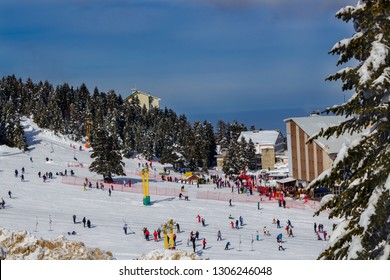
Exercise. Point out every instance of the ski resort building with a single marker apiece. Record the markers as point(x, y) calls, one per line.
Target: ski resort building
point(269, 145)
point(308, 160)
point(145, 99)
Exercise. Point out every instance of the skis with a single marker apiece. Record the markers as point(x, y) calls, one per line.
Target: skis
point(129, 230)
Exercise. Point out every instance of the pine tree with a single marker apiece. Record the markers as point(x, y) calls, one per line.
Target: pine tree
point(362, 168)
point(222, 136)
point(251, 155)
point(232, 164)
point(107, 160)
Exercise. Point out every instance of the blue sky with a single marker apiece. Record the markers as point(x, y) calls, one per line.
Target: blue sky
point(254, 61)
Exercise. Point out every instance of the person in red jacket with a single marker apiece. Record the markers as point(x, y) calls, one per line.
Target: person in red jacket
point(147, 233)
point(198, 217)
point(204, 243)
point(155, 236)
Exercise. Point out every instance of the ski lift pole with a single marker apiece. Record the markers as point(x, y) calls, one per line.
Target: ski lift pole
point(50, 221)
point(36, 224)
point(145, 186)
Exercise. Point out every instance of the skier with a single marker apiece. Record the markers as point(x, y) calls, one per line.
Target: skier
point(325, 234)
point(10, 194)
point(258, 205)
point(278, 223)
point(315, 227)
point(174, 239)
point(241, 221)
point(257, 235)
point(198, 217)
point(125, 229)
point(203, 222)
point(178, 228)
point(219, 235)
point(147, 233)
point(232, 224)
point(284, 203)
point(22, 178)
point(237, 227)
point(193, 243)
point(89, 224)
point(109, 192)
point(84, 221)
point(204, 243)
point(227, 246)
point(289, 223)
point(290, 233)
point(74, 219)
point(22, 170)
point(197, 234)
point(155, 236)
point(287, 229)
point(16, 173)
point(2, 203)
point(230, 202)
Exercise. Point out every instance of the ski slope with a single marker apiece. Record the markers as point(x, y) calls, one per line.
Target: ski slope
point(46, 209)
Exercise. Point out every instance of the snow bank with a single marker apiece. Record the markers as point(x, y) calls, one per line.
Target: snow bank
point(169, 255)
point(22, 245)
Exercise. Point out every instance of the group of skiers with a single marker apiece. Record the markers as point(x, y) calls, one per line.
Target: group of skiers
point(238, 223)
point(194, 237)
point(84, 221)
point(45, 176)
point(21, 175)
point(320, 230)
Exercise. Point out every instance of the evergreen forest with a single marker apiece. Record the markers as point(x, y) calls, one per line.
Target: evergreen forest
point(127, 127)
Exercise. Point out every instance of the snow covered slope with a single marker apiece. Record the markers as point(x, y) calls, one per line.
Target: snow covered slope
point(45, 209)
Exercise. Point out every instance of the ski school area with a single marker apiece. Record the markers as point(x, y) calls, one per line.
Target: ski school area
point(47, 208)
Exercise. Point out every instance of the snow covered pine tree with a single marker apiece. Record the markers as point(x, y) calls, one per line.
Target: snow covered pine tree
point(362, 167)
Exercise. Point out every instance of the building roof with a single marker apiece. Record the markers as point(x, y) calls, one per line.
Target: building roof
point(261, 137)
point(313, 124)
point(134, 92)
point(286, 180)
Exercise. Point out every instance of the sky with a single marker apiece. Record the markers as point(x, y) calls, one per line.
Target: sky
point(254, 61)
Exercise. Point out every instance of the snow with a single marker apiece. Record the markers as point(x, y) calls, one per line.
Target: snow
point(35, 203)
point(325, 199)
point(377, 58)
